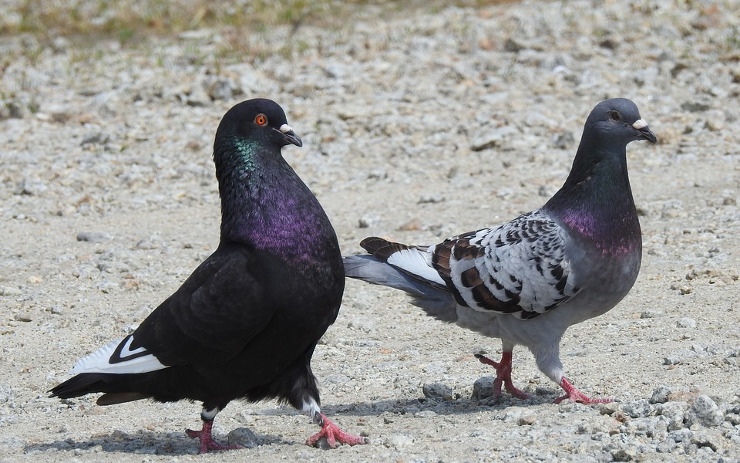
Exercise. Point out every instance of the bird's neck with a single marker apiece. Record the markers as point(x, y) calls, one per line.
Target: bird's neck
point(266, 206)
point(596, 203)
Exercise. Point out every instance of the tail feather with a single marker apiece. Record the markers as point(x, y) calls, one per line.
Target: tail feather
point(119, 398)
point(433, 297)
point(117, 388)
point(82, 384)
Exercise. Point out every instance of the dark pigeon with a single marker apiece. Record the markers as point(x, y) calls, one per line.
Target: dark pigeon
point(528, 280)
point(245, 324)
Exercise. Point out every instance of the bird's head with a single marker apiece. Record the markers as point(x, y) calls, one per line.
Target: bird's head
point(618, 119)
point(260, 120)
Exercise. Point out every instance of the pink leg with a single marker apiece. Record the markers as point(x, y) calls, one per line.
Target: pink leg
point(577, 396)
point(206, 439)
point(333, 434)
point(503, 375)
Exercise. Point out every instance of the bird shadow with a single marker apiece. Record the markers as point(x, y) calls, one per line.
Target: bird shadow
point(140, 442)
point(176, 443)
point(440, 406)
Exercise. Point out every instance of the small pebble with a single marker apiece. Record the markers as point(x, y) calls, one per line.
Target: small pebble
point(399, 441)
point(483, 388)
point(93, 237)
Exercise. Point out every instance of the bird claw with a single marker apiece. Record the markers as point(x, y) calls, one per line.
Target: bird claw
point(503, 375)
point(331, 433)
point(207, 442)
point(511, 389)
point(573, 394)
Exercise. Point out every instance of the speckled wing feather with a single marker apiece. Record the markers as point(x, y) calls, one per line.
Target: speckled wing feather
point(519, 268)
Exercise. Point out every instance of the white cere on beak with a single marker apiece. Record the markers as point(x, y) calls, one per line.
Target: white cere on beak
point(639, 124)
point(285, 128)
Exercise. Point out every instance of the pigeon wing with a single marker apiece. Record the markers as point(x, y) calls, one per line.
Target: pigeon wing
point(215, 313)
point(520, 268)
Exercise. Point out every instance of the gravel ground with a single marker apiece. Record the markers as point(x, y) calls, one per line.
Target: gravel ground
point(416, 126)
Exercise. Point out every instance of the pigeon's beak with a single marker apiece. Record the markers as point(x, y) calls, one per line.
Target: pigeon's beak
point(642, 127)
point(290, 136)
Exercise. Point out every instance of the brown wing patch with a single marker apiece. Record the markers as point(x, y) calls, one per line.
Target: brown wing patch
point(381, 248)
point(470, 278)
point(441, 259)
point(464, 250)
point(483, 296)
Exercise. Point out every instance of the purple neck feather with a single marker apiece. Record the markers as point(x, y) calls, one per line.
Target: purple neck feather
point(596, 202)
point(615, 235)
point(274, 211)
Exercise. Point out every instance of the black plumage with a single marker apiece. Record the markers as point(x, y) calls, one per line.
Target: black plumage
point(246, 322)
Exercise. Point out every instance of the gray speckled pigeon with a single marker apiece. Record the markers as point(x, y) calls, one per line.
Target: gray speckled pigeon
point(245, 324)
point(530, 279)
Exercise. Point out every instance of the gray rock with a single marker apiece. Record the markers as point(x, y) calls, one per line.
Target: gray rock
point(666, 446)
point(637, 409)
point(93, 237)
point(681, 436)
point(706, 440)
point(527, 419)
point(244, 437)
point(674, 413)
point(431, 199)
point(368, 220)
point(695, 106)
point(95, 138)
point(399, 441)
point(623, 454)
point(678, 356)
point(437, 391)
point(660, 394)
point(513, 46)
point(483, 388)
point(705, 412)
point(686, 322)
point(486, 139)
point(608, 408)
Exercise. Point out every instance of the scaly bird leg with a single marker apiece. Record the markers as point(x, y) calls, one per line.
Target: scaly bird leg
point(575, 395)
point(207, 443)
point(333, 434)
point(503, 375)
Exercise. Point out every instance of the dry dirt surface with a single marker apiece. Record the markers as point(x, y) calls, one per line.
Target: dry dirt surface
point(417, 124)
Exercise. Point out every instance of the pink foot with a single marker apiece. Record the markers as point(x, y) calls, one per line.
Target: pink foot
point(207, 442)
point(503, 375)
point(333, 434)
point(575, 395)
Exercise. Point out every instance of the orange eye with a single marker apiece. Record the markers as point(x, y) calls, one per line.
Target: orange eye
point(260, 119)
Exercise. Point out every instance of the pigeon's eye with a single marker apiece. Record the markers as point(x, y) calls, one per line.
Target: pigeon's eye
point(260, 119)
point(614, 115)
